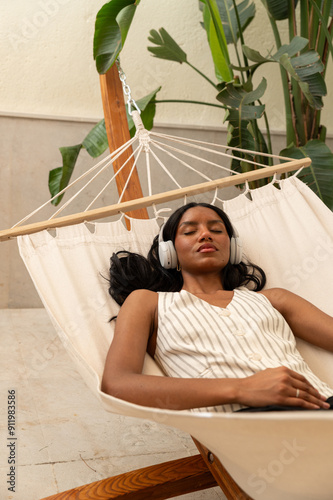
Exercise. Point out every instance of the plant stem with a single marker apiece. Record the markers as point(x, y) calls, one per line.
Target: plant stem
point(315, 124)
point(325, 31)
point(246, 63)
point(314, 23)
point(239, 62)
point(328, 45)
point(305, 20)
point(256, 136)
point(159, 101)
point(202, 74)
point(291, 133)
point(300, 121)
point(292, 20)
point(269, 139)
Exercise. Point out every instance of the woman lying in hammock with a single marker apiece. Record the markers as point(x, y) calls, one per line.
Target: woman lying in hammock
point(222, 346)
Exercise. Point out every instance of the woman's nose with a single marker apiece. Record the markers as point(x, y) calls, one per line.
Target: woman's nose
point(205, 234)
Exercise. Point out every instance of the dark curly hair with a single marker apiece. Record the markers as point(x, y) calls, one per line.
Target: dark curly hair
point(130, 271)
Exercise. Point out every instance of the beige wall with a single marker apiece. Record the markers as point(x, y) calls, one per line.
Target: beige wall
point(29, 149)
point(47, 66)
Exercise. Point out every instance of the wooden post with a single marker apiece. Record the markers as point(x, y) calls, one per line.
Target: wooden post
point(118, 134)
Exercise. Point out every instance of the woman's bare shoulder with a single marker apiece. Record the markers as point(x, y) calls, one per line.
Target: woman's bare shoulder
point(145, 299)
point(142, 293)
point(278, 297)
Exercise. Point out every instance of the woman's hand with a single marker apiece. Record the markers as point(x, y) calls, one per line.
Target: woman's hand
point(279, 386)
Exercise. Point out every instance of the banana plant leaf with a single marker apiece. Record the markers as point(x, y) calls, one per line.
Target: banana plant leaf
point(305, 69)
point(240, 113)
point(242, 135)
point(111, 28)
point(239, 136)
point(296, 45)
point(217, 41)
point(319, 176)
point(246, 12)
point(60, 177)
point(166, 47)
point(95, 143)
point(240, 102)
point(278, 9)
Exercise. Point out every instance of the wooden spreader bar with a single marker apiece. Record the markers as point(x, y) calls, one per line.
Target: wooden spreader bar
point(139, 203)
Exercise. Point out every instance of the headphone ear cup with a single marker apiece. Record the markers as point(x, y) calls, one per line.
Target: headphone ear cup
point(236, 251)
point(167, 254)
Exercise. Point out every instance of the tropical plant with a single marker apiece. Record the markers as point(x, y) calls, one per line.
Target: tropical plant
point(302, 63)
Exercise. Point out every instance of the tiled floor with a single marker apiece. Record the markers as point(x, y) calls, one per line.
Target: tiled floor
point(64, 436)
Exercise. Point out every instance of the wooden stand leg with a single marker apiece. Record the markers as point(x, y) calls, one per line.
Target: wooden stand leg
point(118, 134)
point(158, 482)
point(229, 487)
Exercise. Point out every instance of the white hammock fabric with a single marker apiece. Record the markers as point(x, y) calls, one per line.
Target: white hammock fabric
point(286, 230)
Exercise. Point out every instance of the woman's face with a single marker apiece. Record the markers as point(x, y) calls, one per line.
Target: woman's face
point(202, 242)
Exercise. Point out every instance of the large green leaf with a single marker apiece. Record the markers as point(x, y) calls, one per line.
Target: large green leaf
point(246, 12)
point(239, 101)
point(240, 113)
point(297, 44)
point(306, 68)
point(60, 177)
point(166, 47)
point(112, 24)
point(217, 41)
point(319, 176)
point(242, 135)
point(217, 56)
point(95, 143)
point(278, 9)
point(239, 136)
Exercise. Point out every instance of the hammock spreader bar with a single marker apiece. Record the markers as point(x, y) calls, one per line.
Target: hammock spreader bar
point(148, 201)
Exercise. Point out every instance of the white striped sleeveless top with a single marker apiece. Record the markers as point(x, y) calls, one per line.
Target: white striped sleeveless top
point(196, 339)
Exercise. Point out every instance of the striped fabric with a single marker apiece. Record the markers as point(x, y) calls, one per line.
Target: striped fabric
point(197, 339)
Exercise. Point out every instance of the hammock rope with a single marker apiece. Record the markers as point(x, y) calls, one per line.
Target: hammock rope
point(150, 143)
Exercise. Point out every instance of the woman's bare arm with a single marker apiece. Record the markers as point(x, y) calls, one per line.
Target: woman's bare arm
point(123, 376)
point(305, 320)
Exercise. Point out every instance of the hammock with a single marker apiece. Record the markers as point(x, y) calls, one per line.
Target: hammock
point(285, 229)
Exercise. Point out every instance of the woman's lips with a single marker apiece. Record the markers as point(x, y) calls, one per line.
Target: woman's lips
point(207, 248)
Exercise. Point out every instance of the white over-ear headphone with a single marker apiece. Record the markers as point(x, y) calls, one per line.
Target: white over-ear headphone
point(166, 252)
point(168, 256)
point(236, 247)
